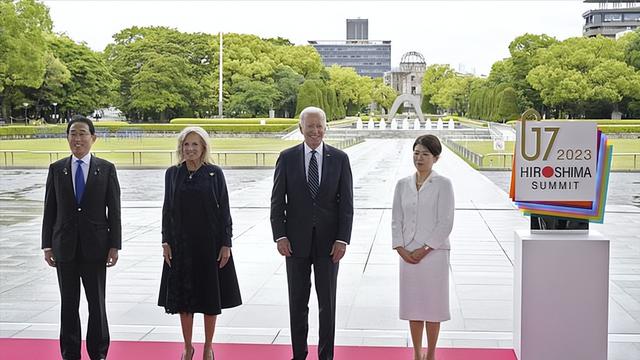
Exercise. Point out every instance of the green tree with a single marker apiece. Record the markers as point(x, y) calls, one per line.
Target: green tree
point(276, 63)
point(434, 77)
point(90, 85)
point(135, 47)
point(580, 70)
point(52, 90)
point(384, 95)
point(162, 86)
point(336, 111)
point(304, 60)
point(507, 105)
point(346, 83)
point(453, 94)
point(502, 71)
point(523, 50)
point(23, 27)
point(632, 48)
point(252, 98)
point(310, 94)
point(287, 82)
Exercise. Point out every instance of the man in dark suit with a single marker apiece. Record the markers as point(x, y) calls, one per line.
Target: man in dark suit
point(311, 218)
point(81, 235)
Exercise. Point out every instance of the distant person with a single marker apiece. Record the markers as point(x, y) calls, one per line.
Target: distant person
point(311, 218)
point(422, 219)
point(81, 236)
point(198, 275)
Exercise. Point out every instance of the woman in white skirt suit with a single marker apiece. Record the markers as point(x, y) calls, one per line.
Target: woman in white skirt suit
point(422, 219)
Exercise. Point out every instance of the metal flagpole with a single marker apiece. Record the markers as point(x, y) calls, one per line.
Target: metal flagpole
point(220, 84)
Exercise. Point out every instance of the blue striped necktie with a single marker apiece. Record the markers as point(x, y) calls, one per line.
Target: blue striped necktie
point(79, 181)
point(313, 177)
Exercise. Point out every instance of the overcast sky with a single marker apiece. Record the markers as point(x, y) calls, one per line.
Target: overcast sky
point(468, 34)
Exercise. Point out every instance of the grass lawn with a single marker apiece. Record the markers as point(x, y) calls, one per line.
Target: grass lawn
point(620, 162)
point(148, 151)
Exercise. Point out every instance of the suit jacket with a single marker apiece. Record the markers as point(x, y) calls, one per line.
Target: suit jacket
point(294, 213)
point(425, 217)
point(94, 224)
point(218, 214)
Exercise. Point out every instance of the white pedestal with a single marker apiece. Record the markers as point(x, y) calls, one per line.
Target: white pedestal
point(561, 296)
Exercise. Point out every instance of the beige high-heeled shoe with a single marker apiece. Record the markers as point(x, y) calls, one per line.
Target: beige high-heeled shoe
point(188, 354)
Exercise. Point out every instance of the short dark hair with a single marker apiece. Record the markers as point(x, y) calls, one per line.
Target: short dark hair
point(431, 142)
point(82, 119)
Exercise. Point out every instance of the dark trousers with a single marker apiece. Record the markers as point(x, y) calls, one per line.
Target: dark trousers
point(299, 283)
point(93, 276)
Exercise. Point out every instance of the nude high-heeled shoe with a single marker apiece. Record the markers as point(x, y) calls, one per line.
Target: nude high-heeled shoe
point(208, 354)
point(188, 354)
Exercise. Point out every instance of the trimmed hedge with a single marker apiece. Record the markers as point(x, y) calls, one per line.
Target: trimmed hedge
point(464, 120)
point(337, 123)
point(599, 121)
point(198, 121)
point(32, 130)
point(147, 128)
point(607, 126)
point(250, 128)
point(617, 129)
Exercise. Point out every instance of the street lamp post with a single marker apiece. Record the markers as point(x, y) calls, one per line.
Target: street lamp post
point(55, 113)
point(26, 105)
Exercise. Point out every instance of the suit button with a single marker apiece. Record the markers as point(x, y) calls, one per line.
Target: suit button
point(79, 209)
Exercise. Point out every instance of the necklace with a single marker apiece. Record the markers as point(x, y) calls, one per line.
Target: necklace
point(420, 182)
point(191, 173)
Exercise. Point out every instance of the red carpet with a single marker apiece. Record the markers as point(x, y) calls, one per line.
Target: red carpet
point(29, 349)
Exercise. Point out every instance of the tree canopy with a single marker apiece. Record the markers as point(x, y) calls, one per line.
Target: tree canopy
point(23, 55)
point(577, 77)
point(154, 73)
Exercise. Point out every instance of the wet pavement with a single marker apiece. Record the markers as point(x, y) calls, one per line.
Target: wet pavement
point(481, 261)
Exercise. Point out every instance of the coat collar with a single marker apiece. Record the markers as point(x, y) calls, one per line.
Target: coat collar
point(94, 172)
point(428, 181)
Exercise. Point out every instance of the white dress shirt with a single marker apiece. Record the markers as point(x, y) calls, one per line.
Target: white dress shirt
point(86, 160)
point(307, 159)
point(422, 217)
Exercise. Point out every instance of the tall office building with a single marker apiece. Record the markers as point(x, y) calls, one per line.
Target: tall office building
point(368, 57)
point(612, 17)
point(357, 29)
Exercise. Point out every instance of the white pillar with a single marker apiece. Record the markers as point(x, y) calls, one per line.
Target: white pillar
point(561, 296)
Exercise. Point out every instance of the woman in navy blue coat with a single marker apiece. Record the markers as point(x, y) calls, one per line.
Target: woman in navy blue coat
point(198, 275)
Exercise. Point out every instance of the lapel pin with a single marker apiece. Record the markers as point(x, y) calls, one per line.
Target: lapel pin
point(211, 174)
point(65, 171)
point(97, 171)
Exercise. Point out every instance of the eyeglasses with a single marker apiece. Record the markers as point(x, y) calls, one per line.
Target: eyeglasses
point(77, 135)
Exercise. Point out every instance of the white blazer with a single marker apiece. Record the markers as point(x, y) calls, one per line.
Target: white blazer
point(425, 217)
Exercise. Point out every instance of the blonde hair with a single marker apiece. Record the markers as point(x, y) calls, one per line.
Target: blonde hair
point(205, 158)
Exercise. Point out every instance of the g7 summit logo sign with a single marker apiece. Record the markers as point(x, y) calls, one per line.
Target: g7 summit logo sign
point(555, 160)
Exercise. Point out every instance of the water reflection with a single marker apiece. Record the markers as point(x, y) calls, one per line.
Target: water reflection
point(27, 185)
point(135, 185)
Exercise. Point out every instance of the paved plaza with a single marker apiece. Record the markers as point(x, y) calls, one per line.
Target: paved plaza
point(481, 261)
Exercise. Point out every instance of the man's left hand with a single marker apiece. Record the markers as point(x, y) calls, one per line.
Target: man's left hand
point(337, 251)
point(112, 258)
